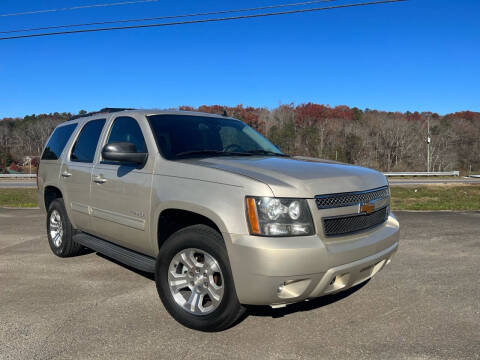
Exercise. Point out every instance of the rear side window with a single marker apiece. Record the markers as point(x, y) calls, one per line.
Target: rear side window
point(86, 144)
point(57, 142)
point(126, 129)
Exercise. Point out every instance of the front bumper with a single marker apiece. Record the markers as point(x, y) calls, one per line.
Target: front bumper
point(275, 271)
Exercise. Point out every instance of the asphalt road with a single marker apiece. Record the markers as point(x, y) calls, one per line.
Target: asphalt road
point(18, 184)
point(424, 305)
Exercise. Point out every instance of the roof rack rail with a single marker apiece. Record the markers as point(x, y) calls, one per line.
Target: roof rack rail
point(101, 111)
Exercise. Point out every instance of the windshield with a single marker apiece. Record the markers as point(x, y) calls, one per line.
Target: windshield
point(181, 136)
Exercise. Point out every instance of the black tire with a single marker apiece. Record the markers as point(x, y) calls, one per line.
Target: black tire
point(67, 247)
point(201, 237)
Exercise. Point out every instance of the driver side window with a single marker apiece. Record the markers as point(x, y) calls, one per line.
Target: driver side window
point(126, 129)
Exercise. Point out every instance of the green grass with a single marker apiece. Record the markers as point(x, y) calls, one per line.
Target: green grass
point(443, 197)
point(24, 198)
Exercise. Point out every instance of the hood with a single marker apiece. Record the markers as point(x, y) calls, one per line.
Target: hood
point(299, 177)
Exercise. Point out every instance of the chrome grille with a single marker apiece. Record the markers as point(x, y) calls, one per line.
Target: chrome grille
point(353, 223)
point(352, 198)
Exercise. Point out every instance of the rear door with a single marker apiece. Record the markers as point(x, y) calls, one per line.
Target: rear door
point(120, 194)
point(76, 174)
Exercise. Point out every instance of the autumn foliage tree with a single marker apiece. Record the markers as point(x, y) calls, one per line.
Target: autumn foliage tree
point(388, 141)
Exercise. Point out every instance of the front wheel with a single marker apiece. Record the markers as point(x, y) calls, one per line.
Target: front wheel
point(195, 282)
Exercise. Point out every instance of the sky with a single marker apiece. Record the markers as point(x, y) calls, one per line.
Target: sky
point(419, 55)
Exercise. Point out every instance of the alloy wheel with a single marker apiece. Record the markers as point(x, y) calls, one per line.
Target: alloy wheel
point(196, 281)
point(56, 228)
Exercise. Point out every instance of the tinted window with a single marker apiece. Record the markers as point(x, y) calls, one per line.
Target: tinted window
point(57, 142)
point(86, 144)
point(180, 134)
point(126, 129)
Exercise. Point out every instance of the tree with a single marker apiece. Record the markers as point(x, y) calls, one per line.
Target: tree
point(378, 139)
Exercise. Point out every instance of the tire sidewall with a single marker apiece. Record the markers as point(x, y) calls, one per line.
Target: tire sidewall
point(206, 239)
point(58, 205)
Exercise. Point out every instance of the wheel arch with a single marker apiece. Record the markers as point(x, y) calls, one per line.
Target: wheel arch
point(50, 193)
point(173, 216)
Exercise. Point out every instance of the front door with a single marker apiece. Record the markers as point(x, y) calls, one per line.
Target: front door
point(76, 174)
point(120, 194)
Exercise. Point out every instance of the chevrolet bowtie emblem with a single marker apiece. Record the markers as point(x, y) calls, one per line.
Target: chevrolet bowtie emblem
point(367, 208)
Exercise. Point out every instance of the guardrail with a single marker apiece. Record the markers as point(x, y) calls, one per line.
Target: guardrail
point(438, 173)
point(18, 176)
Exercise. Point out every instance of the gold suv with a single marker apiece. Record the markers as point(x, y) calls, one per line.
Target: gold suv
point(219, 214)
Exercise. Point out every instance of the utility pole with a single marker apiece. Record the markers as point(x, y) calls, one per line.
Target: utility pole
point(428, 140)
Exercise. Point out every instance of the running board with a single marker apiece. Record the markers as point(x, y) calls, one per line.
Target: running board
point(121, 254)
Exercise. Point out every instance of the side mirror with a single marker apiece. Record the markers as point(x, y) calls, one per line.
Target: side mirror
point(123, 152)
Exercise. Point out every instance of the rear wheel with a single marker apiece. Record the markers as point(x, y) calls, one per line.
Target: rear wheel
point(60, 231)
point(195, 282)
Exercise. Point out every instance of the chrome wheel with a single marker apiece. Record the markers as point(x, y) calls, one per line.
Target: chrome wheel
point(56, 228)
point(196, 281)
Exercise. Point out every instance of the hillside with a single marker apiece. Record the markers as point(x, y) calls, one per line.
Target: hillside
point(388, 141)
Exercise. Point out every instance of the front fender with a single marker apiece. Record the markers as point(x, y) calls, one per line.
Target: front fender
point(181, 205)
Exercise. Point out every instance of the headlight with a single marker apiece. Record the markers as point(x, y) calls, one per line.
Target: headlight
point(278, 216)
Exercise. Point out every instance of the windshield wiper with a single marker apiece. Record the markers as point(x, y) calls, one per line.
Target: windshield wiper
point(229, 153)
point(266, 152)
point(212, 152)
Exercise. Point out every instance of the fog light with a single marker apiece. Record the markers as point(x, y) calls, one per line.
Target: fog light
point(293, 288)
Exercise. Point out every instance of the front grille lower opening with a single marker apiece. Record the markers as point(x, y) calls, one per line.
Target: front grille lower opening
point(354, 223)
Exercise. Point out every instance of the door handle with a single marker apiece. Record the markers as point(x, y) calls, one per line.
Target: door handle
point(99, 179)
point(66, 174)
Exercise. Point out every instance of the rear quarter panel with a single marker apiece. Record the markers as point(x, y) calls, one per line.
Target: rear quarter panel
point(48, 175)
point(49, 171)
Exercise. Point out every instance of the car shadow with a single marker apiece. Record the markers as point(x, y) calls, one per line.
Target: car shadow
point(267, 311)
point(312, 304)
point(145, 274)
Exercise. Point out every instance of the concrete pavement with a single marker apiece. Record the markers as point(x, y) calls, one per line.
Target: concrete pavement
point(18, 184)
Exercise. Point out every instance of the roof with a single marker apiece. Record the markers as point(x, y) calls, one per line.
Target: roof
point(102, 111)
point(145, 112)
